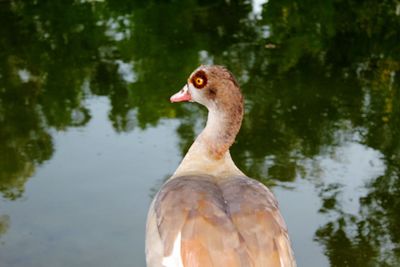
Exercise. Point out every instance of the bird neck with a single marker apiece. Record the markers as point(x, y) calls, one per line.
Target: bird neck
point(209, 153)
point(220, 132)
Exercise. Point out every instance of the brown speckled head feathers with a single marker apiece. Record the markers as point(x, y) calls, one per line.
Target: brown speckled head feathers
point(221, 95)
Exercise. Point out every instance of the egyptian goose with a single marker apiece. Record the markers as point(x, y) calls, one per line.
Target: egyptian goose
point(209, 213)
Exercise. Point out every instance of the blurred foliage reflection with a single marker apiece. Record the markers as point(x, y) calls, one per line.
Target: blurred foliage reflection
point(309, 71)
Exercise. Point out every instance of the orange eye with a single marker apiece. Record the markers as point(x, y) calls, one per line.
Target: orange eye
point(199, 81)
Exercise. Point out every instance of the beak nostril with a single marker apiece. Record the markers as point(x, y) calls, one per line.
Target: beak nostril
point(182, 95)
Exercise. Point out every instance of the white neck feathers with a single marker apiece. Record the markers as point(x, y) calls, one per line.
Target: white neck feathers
point(209, 154)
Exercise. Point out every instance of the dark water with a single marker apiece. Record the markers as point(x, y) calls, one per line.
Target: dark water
point(87, 134)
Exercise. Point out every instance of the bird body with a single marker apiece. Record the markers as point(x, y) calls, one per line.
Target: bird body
point(209, 213)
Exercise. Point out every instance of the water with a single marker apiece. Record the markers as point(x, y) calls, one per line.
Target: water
point(87, 134)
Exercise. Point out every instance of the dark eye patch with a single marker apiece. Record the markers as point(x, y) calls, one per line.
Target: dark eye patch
point(212, 93)
point(199, 79)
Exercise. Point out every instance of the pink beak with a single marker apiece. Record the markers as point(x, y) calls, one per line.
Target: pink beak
point(182, 95)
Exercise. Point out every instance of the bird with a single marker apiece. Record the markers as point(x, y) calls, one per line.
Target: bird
point(209, 213)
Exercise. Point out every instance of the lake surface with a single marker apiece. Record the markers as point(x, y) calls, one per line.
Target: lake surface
point(88, 135)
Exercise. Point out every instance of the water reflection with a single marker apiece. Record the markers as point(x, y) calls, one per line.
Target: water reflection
point(321, 82)
point(4, 224)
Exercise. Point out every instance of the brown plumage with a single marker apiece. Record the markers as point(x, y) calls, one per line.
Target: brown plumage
point(209, 213)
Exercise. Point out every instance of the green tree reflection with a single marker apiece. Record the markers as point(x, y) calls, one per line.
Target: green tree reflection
point(4, 224)
point(348, 39)
point(50, 64)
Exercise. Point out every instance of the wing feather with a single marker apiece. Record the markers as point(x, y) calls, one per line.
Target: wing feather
point(254, 210)
point(233, 222)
